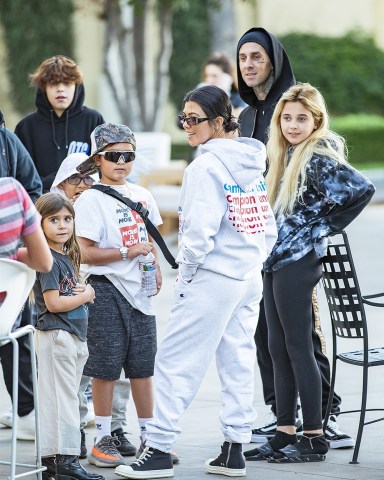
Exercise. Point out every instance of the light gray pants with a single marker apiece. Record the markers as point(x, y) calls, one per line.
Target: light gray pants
point(61, 358)
point(212, 315)
point(121, 395)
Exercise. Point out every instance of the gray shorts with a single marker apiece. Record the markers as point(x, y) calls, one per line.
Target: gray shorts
point(119, 336)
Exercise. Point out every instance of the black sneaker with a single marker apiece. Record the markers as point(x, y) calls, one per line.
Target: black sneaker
point(83, 446)
point(268, 431)
point(335, 437)
point(230, 462)
point(123, 445)
point(140, 450)
point(152, 463)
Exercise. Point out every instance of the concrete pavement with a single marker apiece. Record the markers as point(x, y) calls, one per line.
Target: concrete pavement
point(201, 436)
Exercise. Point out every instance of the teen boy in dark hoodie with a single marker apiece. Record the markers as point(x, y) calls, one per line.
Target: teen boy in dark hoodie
point(264, 73)
point(62, 124)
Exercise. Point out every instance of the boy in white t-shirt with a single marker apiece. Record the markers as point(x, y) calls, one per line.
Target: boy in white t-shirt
point(122, 326)
point(70, 183)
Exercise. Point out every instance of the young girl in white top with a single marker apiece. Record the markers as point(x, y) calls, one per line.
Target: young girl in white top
point(62, 315)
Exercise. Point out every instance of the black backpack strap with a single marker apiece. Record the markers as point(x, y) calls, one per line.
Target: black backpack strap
point(143, 212)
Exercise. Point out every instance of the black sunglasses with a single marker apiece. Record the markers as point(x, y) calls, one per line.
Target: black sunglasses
point(114, 156)
point(76, 179)
point(192, 120)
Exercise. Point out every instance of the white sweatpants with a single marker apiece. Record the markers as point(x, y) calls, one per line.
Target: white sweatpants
point(211, 315)
point(61, 358)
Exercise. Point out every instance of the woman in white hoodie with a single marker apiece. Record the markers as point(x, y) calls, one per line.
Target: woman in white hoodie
point(227, 230)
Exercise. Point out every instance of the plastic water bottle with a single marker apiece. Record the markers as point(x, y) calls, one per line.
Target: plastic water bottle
point(148, 274)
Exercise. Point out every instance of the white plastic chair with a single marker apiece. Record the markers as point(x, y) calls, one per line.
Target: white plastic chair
point(16, 279)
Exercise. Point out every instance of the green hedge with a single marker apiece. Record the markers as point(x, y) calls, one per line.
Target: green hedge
point(348, 70)
point(364, 135)
point(33, 31)
point(191, 47)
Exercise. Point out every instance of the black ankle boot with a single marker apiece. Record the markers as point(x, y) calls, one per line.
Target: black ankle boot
point(50, 463)
point(68, 468)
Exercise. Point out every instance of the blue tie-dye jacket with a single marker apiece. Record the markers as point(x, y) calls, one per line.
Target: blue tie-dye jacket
point(335, 194)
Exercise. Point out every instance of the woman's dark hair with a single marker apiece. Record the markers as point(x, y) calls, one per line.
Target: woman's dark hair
point(215, 103)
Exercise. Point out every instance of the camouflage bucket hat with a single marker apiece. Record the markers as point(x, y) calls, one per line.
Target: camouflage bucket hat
point(102, 136)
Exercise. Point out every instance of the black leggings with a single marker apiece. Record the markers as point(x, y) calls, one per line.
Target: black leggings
point(288, 308)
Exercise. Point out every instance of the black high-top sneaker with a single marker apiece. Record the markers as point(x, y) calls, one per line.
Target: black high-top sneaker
point(152, 463)
point(69, 466)
point(50, 463)
point(230, 462)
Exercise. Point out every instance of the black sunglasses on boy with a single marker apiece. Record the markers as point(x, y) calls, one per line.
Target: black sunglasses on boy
point(115, 156)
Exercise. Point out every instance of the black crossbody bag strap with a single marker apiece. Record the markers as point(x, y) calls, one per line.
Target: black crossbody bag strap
point(143, 212)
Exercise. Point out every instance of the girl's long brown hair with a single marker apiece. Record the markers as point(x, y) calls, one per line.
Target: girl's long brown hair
point(51, 203)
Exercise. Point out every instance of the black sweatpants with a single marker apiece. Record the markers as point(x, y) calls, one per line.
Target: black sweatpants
point(288, 308)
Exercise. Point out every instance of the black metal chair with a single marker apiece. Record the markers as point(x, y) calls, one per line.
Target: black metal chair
point(349, 321)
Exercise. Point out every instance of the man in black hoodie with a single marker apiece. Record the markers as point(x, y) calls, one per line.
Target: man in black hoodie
point(62, 124)
point(264, 73)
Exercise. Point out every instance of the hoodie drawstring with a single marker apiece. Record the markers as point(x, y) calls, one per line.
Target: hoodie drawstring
point(53, 131)
point(66, 130)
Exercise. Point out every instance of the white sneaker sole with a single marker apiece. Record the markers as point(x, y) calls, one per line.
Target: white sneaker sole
point(6, 421)
point(260, 438)
point(26, 437)
point(344, 443)
point(228, 472)
point(94, 461)
point(127, 472)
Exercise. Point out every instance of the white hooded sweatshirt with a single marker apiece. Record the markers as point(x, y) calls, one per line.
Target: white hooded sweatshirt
point(226, 223)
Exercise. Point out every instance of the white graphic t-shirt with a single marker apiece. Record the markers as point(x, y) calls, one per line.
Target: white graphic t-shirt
point(111, 224)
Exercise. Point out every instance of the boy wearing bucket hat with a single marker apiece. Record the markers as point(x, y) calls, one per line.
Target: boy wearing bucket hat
point(70, 183)
point(122, 326)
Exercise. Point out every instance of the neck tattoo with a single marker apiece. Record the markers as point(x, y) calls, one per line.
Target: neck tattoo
point(261, 91)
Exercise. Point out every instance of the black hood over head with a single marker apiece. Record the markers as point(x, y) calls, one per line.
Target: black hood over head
point(49, 138)
point(284, 77)
point(45, 108)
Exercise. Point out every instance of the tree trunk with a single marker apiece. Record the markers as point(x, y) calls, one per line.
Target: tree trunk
point(136, 63)
point(223, 34)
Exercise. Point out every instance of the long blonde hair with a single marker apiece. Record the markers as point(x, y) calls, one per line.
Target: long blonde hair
point(51, 203)
point(286, 180)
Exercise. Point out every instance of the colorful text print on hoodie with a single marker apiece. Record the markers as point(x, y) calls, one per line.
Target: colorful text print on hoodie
point(255, 119)
point(226, 223)
point(49, 138)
